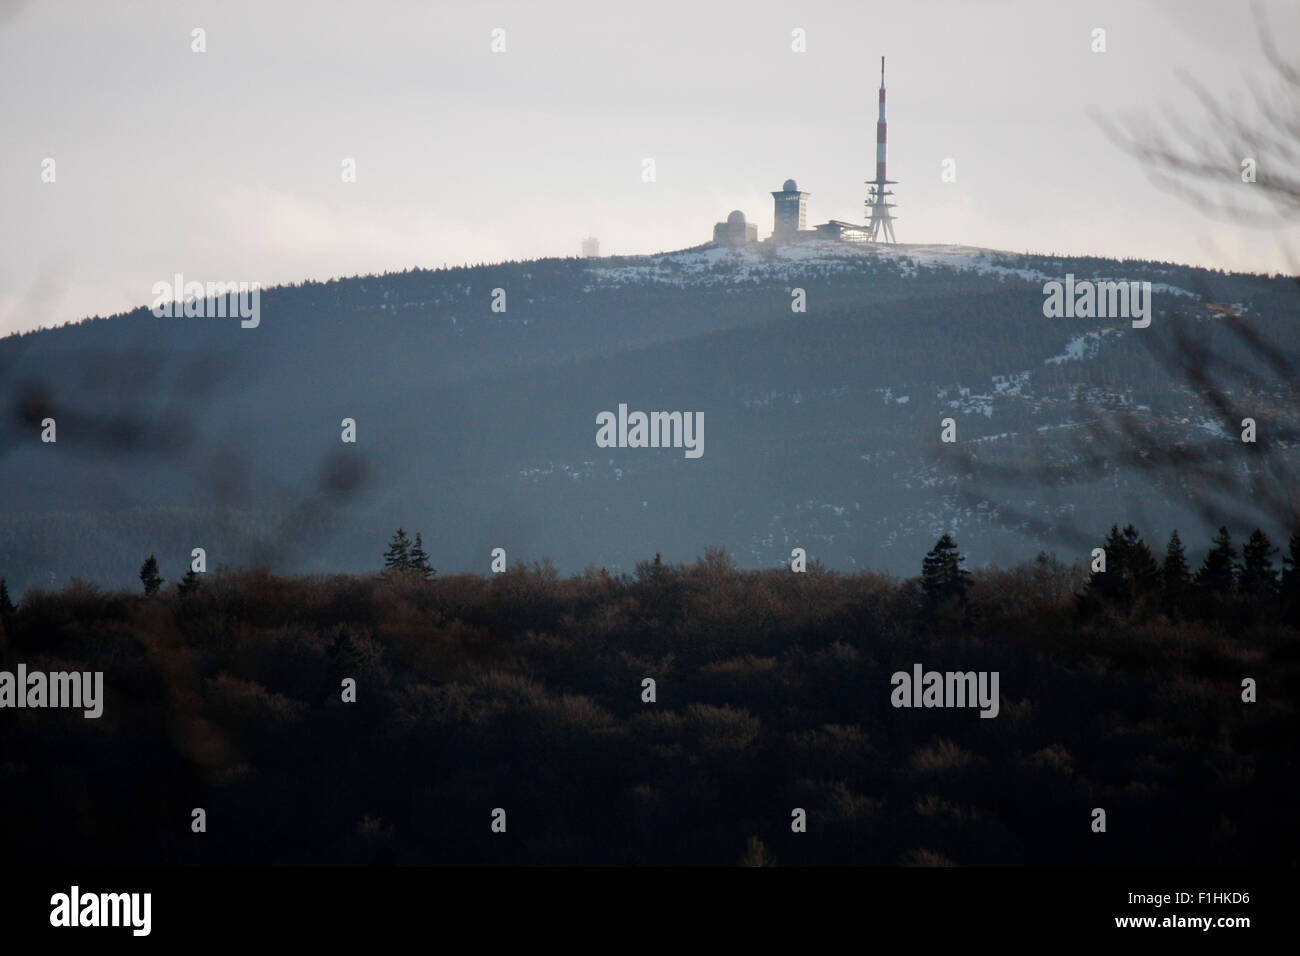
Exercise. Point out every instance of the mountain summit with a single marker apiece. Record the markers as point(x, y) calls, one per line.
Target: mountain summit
point(823, 372)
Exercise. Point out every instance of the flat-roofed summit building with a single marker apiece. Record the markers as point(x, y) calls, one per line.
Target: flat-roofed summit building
point(790, 211)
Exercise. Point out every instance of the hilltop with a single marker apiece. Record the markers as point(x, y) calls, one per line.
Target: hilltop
point(478, 427)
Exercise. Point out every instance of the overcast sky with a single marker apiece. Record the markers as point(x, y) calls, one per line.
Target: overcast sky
point(226, 165)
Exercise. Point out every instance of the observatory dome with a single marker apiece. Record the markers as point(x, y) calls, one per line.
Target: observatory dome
point(790, 186)
point(736, 218)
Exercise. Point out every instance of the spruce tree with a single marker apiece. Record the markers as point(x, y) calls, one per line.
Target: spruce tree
point(1131, 570)
point(7, 607)
point(190, 583)
point(149, 575)
point(1174, 576)
point(1139, 564)
point(398, 555)
point(1111, 583)
point(1218, 574)
point(420, 559)
point(651, 570)
point(943, 579)
point(1258, 580)
point(1291, 581)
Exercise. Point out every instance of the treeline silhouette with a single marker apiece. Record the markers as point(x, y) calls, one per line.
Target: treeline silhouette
point(525, 691)
point(1248, 587)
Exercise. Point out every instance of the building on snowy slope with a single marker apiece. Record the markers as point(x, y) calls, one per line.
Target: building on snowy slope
point(844, 231)
point(790, 215)
point(790, 206)
point(790, 223)
point(735, 231)
point(790, 218)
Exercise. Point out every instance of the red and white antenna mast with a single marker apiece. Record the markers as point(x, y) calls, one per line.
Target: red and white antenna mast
point(881, 224)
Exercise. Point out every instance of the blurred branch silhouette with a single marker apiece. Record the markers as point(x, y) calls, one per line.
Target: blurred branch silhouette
point(124, 411)
point(1201, 160)
point(1234, 366)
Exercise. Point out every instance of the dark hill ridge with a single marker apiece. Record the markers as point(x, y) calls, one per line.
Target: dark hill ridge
point(478, 428)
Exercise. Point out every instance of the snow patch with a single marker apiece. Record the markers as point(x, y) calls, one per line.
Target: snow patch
point(1081, 347)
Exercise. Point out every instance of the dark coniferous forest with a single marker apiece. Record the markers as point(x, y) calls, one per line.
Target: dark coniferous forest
point(385, 717)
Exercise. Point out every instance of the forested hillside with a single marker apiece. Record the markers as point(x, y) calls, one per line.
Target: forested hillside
point(822, 427)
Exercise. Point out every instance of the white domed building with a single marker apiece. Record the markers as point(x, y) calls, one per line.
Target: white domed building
point(735, 231)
